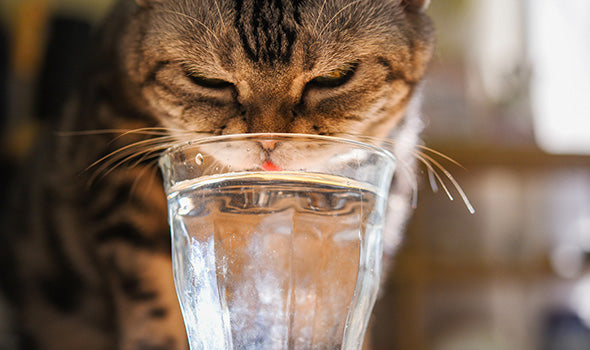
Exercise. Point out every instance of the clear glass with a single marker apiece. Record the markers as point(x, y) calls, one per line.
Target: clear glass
point(276, 239)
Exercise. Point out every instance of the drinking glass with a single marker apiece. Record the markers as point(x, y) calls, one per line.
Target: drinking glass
point(276, 239)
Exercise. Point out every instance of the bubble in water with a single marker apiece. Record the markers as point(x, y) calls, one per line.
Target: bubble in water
point(199, 159)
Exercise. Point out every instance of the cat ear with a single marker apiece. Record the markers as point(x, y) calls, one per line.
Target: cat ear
point(416, 5)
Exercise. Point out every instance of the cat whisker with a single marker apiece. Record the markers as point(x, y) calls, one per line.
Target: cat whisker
point(403, 168)
point(162, 134)
point(139, 148)
point(150, 131)
point(432, 165)
point(147, 131)
point(453, 181)
point(130, 146)
point(115, 163)
point(151, 154)
point(146, 151)
point(111, 131)
point(154, 129)
point(432, 172)
point(144, 148)
point(442, 155)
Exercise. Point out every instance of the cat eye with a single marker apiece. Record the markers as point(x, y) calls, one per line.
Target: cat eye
point(210, 83)
point(335, 77)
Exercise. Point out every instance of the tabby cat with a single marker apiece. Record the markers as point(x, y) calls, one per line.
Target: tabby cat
point(89, 268)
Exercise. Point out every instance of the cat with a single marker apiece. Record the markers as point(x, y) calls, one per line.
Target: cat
point(89, 267)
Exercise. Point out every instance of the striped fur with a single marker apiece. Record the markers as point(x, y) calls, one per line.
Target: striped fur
point(90, 268)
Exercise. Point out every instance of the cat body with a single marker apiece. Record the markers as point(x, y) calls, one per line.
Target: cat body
point(90, 267)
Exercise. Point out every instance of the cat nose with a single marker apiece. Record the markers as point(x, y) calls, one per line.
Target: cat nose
point(268, 145)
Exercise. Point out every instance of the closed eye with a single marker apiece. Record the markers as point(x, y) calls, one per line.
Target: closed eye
point(207, 82)
point(334, 78)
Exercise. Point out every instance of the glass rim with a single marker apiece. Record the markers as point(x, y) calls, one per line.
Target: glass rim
point(286, 136)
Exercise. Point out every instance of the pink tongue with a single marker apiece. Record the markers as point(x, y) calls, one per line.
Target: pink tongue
point(270, 166)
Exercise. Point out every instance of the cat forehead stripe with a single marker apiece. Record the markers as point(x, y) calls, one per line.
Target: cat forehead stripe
point(267, 28)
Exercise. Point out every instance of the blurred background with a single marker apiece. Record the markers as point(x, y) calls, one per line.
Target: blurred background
point(508, 97)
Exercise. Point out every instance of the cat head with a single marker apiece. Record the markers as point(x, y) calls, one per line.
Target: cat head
point(318, 67)
point(328, 67)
